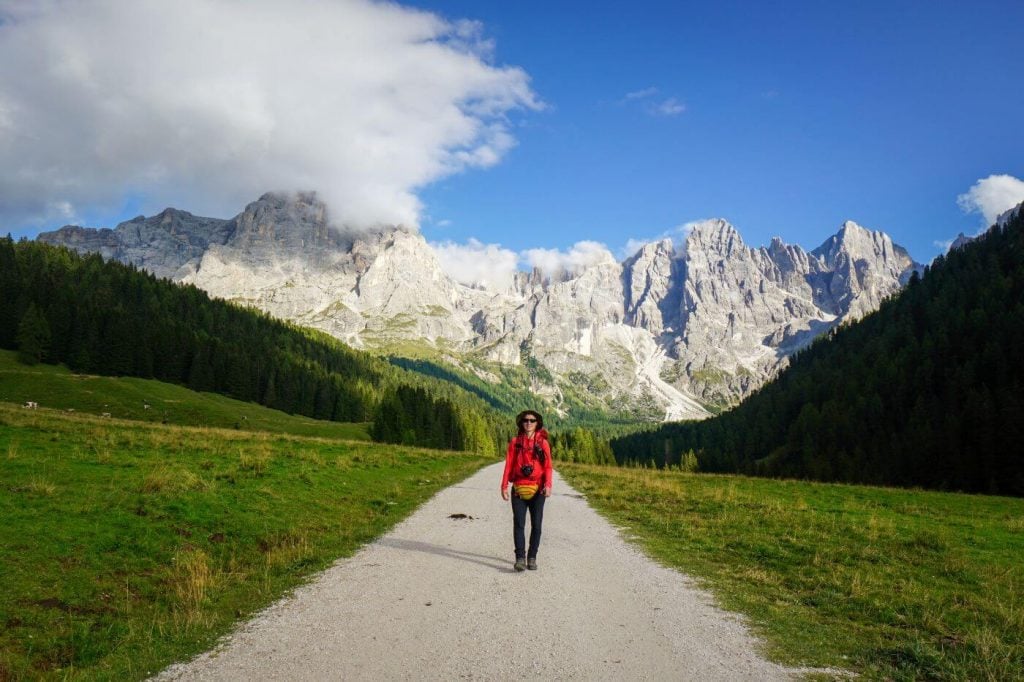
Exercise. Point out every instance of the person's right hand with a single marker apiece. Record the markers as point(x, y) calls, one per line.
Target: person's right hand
point(504, 494)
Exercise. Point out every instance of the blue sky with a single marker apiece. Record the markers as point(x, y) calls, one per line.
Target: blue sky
point(797, 117)
point(786, 118)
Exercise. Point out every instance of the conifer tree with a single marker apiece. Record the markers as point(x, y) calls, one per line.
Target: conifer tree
point(33, 336)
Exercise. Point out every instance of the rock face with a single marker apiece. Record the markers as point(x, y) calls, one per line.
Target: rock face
point(961, 240)
point(744, 310)
point(163, 244)
point(674, 329)
point(1009, 214)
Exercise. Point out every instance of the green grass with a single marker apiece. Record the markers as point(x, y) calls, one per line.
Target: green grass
point(58, 388)
point(126, 546)
point(711, 375)
point(893, 584)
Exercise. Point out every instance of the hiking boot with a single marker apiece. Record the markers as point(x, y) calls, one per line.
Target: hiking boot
point(531, 563)
point(520, 565)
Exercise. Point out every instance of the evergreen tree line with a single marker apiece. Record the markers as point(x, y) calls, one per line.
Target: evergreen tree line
point(580, 445)
point(927, 391)
point(108, 318)
point(410, 415)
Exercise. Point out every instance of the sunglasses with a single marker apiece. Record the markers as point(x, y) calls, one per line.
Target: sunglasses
point(529, 420)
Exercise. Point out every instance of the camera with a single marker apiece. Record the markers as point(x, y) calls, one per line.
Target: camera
point(526, 470)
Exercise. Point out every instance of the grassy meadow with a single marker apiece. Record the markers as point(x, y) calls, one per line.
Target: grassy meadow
point(129, 545)
point(125, 398)
point(893, 584)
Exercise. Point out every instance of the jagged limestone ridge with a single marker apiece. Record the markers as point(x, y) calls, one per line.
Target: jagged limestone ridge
point(706, 321)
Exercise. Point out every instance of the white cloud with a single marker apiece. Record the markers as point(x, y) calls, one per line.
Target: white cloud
point(579, 256)
point(677, 234)
point(63, 209)
point(494, 266)
point(943, 245)
point(632, 246)
point(478, 264)
point(207, 104)
point(670, 107)
point(992, 196)
point(642, 94)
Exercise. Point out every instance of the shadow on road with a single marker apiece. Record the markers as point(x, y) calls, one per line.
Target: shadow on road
point(437, 550)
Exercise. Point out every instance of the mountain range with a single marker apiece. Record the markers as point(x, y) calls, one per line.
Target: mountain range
point(675, 331)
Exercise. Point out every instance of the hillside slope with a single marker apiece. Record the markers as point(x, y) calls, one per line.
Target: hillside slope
point(148, 400)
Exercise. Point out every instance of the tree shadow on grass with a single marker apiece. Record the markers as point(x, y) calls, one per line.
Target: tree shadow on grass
point(448, 552)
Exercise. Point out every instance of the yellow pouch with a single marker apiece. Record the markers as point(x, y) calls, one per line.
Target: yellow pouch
point(526, 490)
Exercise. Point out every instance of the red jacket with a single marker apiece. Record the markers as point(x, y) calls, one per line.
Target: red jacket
point(516, 457)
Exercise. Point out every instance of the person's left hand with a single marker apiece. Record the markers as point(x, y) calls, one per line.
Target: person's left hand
point(547, 492)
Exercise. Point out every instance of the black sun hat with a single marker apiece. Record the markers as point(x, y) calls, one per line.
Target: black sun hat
point(532, 413)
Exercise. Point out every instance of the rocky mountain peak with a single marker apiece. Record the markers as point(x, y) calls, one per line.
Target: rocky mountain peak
point(655, 250)
point(960, 240)
point(162, 244)
point(716, 235)
point(858, 268)
point(853, 241)
point(291, 221)
point(852, 227)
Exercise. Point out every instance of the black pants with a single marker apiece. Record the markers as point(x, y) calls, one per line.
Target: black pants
point(519, 507)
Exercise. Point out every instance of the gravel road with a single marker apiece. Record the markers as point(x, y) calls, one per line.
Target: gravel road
point(437, 598)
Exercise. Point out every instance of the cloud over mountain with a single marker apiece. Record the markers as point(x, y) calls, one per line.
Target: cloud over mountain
point(494, 266)
point(478, 264)
point(579, 256)
point(992, 196)
point(211, 102)
point(677, 234)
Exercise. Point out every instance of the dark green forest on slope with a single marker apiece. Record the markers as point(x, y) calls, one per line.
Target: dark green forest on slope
point(112, 319)
point(927, 391)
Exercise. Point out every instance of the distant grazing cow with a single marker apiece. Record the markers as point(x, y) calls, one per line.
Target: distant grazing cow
point(106, 415)
point(30, 405)
point(145, 406)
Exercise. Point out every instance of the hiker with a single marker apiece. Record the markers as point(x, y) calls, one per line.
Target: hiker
point(528, 469)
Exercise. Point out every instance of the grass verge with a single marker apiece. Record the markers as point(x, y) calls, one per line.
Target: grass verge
point(126, 546)
point(893, 584)
point(56, 387)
